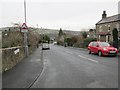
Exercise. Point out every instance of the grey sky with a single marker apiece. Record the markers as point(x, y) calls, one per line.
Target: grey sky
point(67, 15)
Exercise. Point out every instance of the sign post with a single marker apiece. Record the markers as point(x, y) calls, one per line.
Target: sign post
point(24, 29)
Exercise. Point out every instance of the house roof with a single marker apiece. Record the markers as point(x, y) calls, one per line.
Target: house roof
point(109, 19)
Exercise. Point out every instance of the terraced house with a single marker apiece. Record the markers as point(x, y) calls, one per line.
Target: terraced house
point(107, 26)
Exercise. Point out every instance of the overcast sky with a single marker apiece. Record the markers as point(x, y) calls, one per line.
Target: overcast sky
point(70, 15)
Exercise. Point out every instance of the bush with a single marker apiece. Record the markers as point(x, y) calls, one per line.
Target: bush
point(71, 41)
point(60, 43)
point(87, 41)
point(12, 39)
point(16, 38)
point(68, 41)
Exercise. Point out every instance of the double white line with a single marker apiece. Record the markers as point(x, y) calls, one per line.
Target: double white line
point(88, 59)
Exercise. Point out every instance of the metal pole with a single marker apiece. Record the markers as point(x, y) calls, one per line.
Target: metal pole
point(25, 10)
point(37, 26)
point(25, 33)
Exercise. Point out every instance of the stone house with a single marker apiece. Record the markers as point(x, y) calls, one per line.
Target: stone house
point(105, 27)
point(91, 33)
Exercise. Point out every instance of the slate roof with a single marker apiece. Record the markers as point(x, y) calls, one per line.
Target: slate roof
point(109, 19)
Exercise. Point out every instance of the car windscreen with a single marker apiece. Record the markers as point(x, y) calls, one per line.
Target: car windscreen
point(104, 44)
point(45, 44)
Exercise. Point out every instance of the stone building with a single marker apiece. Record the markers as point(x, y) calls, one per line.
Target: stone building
point(91, 33)
point(105, 27)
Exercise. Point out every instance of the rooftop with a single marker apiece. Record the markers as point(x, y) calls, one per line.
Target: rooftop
point(109, 19)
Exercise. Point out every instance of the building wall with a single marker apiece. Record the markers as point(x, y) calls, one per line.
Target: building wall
point(92, 34)
point(107, 27)
point(103, 38)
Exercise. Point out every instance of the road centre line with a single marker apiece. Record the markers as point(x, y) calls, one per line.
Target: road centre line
point(88, 59)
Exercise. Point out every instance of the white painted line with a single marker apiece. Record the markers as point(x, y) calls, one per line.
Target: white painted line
point(88, 59)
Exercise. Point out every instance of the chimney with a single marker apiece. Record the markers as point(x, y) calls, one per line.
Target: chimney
point(104, 15)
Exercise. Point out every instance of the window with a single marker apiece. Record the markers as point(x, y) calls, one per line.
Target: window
point(90, 44)
point(94, 44)
point(104, 44)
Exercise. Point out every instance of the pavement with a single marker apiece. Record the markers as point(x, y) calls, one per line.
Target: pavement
point(64, 67)
point(25, 72)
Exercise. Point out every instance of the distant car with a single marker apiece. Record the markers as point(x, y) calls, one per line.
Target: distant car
point(45, 46)
point(102, 48)
point(55, 43)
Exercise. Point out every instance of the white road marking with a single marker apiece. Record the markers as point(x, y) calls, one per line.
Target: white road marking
point(88, 59)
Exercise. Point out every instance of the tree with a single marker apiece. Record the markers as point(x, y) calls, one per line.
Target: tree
point(115, 37)
point(60, 33)
point(88, 40)
point(68, 41)
point(46, 38)
point(84, 34)
point(60, 39)
point(91, 30)
point(73, 40)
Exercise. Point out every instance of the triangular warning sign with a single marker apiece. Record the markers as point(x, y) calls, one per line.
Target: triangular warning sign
point(24, 26)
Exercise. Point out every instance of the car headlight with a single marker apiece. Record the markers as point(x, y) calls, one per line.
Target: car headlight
point(104, 49)
point(116, 49)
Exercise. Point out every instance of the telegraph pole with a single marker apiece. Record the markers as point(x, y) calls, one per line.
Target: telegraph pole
point(25, 9)
point(25, 33)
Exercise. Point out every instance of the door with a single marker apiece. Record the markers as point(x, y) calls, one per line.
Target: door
point(95, 47)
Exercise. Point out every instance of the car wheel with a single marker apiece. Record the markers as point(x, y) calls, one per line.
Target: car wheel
point(100, 53)
point(89, 51)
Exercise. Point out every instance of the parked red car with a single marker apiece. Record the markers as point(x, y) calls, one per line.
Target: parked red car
point(102, 48)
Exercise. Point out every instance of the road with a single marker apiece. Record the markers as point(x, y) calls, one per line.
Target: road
point(66, 67)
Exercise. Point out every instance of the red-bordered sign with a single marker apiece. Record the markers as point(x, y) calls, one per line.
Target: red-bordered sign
point(24, 28)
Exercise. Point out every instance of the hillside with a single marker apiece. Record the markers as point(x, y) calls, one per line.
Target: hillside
point(50, 32)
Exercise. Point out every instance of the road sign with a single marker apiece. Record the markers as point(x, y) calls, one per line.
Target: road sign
point(24, 28)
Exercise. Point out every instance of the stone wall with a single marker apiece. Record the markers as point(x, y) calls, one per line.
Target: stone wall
point(13, 50)
point(10, 57)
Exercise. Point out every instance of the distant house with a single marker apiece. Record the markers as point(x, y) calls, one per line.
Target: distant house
point(91, 33)
point(105, 27)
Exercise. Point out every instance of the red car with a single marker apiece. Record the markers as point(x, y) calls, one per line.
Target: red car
point(102, 48)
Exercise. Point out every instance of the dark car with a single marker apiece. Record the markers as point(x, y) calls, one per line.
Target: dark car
point(102, 48)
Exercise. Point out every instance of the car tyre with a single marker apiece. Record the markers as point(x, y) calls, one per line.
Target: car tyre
point(89, 51)
point(100, 53)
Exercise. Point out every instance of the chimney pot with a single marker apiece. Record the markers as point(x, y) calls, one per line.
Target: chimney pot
point(104, 15)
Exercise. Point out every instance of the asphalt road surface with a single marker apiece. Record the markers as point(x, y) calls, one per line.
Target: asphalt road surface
point(66, 67)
